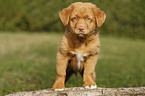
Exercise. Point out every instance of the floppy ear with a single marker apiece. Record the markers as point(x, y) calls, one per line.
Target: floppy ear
point(64, 15)
point(100, 16)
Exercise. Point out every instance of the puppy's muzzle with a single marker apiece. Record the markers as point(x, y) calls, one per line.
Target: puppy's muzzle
point(81, 31)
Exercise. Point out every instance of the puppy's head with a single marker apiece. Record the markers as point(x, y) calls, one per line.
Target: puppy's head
point(82, 18)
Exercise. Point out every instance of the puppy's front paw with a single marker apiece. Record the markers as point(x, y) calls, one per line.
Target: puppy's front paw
point(58, 89)
point(91, 87)
point(58, 86)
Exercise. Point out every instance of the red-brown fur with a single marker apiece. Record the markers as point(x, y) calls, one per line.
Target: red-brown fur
point(79, 42)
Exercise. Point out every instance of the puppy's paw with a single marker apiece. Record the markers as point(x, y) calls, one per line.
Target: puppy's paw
point(58, 86)
point(58, 89)
point(91, 87)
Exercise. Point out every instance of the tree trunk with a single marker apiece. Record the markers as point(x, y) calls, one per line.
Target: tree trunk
point(80, 91)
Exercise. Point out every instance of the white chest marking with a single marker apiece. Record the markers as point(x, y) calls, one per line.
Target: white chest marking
point(80, 57)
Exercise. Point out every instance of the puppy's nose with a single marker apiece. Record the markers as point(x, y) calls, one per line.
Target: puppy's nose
point(81, 28)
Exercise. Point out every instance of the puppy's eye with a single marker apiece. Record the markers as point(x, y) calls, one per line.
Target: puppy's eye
point(88, 19)
point(75, 18)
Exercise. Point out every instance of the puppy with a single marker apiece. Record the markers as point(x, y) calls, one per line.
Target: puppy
point(79, 48)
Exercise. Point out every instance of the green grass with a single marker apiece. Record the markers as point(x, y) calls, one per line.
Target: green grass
point(27, 62)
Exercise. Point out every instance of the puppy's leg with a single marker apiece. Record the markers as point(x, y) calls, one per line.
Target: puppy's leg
point(89, 75)
point(62, 62)
point(69, 72)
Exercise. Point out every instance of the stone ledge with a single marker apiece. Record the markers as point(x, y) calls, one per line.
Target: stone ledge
point(80, 91)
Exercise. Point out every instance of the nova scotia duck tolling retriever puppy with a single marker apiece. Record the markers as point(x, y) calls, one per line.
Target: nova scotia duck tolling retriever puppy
point(79, 48)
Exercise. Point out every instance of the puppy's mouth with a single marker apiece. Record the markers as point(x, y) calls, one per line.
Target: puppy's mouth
point(78, 33)
point(81, 34)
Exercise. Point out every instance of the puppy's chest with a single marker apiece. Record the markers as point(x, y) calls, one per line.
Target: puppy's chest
point(78, 56)
point(80, 49)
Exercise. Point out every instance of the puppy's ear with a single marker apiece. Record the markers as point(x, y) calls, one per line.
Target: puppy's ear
point(64, 15)
point(100, 16)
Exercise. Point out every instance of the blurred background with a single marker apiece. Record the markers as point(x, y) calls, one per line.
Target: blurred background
point(124, 17)
point(30, 33)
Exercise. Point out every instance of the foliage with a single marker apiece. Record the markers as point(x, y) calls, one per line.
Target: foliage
point(124, 17)
point(27, 62)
